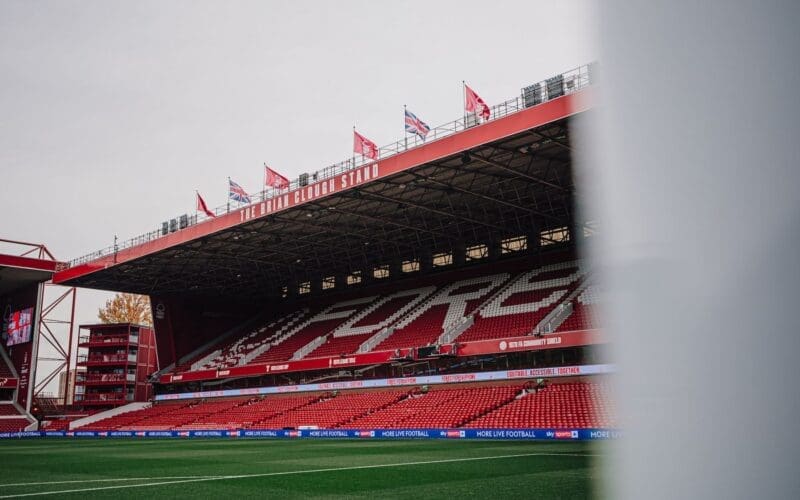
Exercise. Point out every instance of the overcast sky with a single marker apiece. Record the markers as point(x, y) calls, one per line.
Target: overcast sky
point(113, 113)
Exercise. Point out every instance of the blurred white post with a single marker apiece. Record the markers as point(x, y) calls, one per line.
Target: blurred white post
point(694, 163)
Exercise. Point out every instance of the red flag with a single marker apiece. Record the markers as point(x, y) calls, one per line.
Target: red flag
point(274, 179)
point(202, 207)
point(475, 104)
point(364, 146)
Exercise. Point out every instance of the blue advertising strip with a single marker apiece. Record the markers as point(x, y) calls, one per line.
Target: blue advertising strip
point(509, 434)
point(527, 373)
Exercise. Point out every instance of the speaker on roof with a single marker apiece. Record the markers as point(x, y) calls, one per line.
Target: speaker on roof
point(164, 228)
point(303, 180)
point(555, 87)
point(184, 221)
point(173, 225)
point(532, 95)
point(592, 70)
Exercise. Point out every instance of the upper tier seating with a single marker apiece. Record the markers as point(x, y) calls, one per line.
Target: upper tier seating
point(584, 312)
point(503, 304)
point(235, 351)
point(348, 337)
point(446, 308)
point(519, 308)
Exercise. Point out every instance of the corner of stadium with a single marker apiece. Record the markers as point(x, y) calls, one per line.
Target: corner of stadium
point(429, 311)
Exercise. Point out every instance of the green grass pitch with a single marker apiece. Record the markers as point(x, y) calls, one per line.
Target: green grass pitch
point(230, 468)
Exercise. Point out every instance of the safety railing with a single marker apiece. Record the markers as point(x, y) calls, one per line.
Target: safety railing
point(532, 95)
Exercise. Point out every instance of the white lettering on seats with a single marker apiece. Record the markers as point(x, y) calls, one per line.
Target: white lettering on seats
point(347, 328)
point(342, 309)
point(527, 283)
point(457, 304)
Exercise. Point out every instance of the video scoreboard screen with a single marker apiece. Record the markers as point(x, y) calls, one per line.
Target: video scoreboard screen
point(20, 325)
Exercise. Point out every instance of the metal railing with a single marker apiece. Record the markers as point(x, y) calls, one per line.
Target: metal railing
point(535, 94)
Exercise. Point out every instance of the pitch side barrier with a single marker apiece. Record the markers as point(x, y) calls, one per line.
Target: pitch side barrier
point(468, 434)
point(523, 373)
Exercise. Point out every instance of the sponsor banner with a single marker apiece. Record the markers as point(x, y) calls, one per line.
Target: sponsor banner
point(84, 434)
point(531, 343)
point(480, 347)
point(250, 433)
point(209, 434)
point(157, 434)
point(557, 371)
point(498, 434)
point(22, 434)
point(369, 358)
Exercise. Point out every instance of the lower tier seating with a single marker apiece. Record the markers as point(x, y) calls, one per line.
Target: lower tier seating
point(13, 424)
point(571, 405)
point(559, 405)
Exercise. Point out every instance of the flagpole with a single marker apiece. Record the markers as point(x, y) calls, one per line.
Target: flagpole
point(229, 194)
point(264, 185)
point(464, 101)
point(405, 134)
point(354, 149)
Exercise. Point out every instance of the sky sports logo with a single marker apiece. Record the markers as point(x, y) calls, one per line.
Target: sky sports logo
point(566, 435)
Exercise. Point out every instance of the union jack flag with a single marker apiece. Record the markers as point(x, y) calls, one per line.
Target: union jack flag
point(236, 193)
point(416, 126)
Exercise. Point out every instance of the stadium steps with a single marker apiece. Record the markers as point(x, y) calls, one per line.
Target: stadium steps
point(390, 329)
point(452, 333)
point(392, 307)
point(225, 337)
point(544, 288)
point(234, 352)
point(583, 314)
point(551, 322)
point(293, 326)
point(490, 409)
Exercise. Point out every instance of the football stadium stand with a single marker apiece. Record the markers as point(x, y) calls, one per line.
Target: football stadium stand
point(429, 288)
point(499, 304)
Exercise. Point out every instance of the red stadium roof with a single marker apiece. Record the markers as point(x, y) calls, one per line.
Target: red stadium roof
point(28, 263)
point(503, 177)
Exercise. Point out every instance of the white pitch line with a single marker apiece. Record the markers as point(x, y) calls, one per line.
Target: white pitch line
point(106, 480)
point(287, 473)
